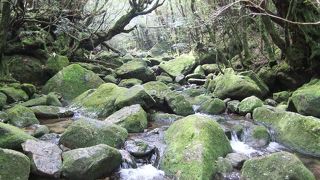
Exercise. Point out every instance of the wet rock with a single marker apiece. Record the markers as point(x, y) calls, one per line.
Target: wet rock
point(248, 104)
point(72, 81)
point(11, 137)
point(293, 130)
point(282, 96)
point(14, 165)
point(237, 86)
point(182, 65)
point(3, 100)
point(51, 112)
point(133, 118)
point(136, 69)
point(205, 142)
point(237, 159)
point(127, 160)
point(306, 99)
point(277, 166)
point(213, 106)
point(138, 148)
point(14, 94)
point(178, 104)
point(51, 138)
point(86, 133)
point(232, 106)
point(128, 83)
point(58, 126)
point(90, 163)
point(21, 116)
point(45, 158)
point(37, 130)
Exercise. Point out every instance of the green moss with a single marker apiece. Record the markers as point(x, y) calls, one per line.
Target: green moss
point(181, 65)
point(298, 132)
point(129, 82)
point(164, 79)
point(248, 104)
point(213, 106)
point(14, 165)
point(260, 132)
point(136, 69)
point(194, 144)
point(282, 96)
point(277, 166)
point(57, 63)
point(157, 90)
point(72, 81)
point(14, 94)
point(12, 137)
point(3, 100)
point(21, 116)
point(178, 104)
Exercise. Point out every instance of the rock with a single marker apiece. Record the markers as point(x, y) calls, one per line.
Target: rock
point(282, 96)
point(213, 106)
point(270, 102)
point(237, 86)
point(136, 69)
point(14, 165)
point(133, 118)
point(138, 148)
point(248, 104)
point(45, 158)
point(86, 133)
point(128, 83)
point(298, 132)
point(180, 79)
point(21, 116)
point(195, 76)
point(99, 102)
point(157, 90)
point(3, 100)
point(52, 99)
point(306, 99)
point(197, 81)
point(237, 159)
point(3, 117)
point(210, 68)
point(14, 94)
point(199, 70)
point(223, 166)
point(134, 95)
point(51, 112)
point(11, 137)
point(90, 163)
point(178, 104)
point(164, 118)
point(164, 79)
point(232, 106)
point(181, 65)
point(56, 63)
point(194, 144)
point(277, 166)
point(72, 81)
point(37, 130)
point(110, 79)
point(261, 137)
point(30, 89)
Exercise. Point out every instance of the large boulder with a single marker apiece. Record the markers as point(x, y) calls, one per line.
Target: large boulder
point(87, 132)
point(298, 132)
point(72, 81)
point(213, 106)
point(21, 116)
point(136, 69)
point(194, 144)
point(248, 104)
point(12, 137)
point(306, 99)
point(181, 65)
point(51, 112)
point(14, 165)
point(158, 90)
point(45, 157)
point(178, 104)
point(277, 166)
point(90, 163)
point(14, 94)
point(133, 118)
point(237, 86)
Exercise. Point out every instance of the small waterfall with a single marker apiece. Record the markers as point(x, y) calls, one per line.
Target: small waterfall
point(240, 147)
point(146, 172)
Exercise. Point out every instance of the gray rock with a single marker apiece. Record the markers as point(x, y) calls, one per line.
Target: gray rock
point(237, 159)
point(45, 157)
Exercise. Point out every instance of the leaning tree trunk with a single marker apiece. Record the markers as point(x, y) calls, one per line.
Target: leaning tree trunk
point(4, 27)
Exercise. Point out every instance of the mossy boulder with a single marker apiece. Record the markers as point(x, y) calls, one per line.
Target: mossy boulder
point(30, 89)
point(86, 133)
point(57, 63)
point(21, 116)
point(181, 65)
point(72, 81)
point(133, 118)
point(178, 104)
point(164, 79)
point(136, 69)
point(213, 106)
point(237, 86)
point(233, 106)
point(90, 163)
point(157, 90)
point(51, 112)
point(128, 83)
point(281, 97)
point(194, 143)
point(52, 99)
point(277, 166)
point(14, 165)
point(14, 94)
point(211, 68)
point(306, 99)
point(257, 136)
point(248, 104)
point(295, 131)
point(3, 100)
point(12, 137)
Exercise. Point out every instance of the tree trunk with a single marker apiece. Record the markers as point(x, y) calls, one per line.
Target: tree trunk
point(4, 28)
